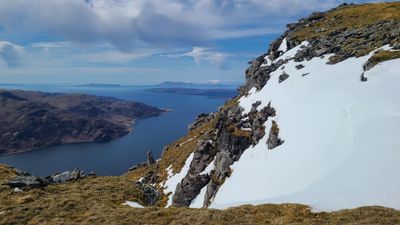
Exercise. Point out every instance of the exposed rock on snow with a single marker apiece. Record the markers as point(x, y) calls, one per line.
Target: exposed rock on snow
point(273, 139)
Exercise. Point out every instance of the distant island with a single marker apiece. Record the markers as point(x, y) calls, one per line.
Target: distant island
point(201, 85)
point(211, 93)
point(100, 85)
point(32, 120)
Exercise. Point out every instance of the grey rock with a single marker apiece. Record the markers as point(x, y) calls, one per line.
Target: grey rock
point(66, 176)
point(150, 159)
point(188, 189)
point(283, 77)
point(149, 193)
point(273, 139)
point(26, 182)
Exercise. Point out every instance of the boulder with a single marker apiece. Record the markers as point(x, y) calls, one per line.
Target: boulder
point(26, 182)
point(283, 77)
point(66, 176)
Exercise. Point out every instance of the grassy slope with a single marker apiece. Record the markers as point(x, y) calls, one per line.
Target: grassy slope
point(357, 17)
point(353, 16)
point(99, 201)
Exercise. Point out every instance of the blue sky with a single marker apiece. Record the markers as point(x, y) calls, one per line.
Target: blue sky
point(140, 41)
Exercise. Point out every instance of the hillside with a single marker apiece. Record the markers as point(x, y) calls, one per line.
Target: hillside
point(315, 123)
point(99, 200)
point(310, 139)
point(32, 120)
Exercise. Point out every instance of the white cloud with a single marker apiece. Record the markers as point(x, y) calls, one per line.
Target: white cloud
point(131, 23)
point(10, 54)
point(200, 54)
point(117, 57)
point(46, 46)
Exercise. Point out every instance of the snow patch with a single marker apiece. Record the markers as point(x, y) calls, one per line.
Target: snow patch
point(199, 200)
point(341, 145)
point(133, 204)
point(174, 179)
point(209, 168)
point(283, 47)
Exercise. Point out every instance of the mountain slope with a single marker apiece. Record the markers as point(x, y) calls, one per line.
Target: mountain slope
point(31, 120)
point(315, 123)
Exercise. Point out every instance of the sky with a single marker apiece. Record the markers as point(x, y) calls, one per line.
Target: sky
point(140, 41)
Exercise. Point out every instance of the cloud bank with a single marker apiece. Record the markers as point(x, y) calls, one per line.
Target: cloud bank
point(131, 23)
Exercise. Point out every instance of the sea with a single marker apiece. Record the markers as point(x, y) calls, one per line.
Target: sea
point(117, 156)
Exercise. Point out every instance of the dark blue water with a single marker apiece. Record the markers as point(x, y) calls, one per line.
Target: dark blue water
point(115, 157)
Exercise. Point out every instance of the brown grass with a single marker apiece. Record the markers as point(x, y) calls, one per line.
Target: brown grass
point(99, 201)
point(353, 16)
point(381, 56)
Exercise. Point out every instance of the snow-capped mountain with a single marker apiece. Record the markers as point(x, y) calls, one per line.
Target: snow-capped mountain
point(316, 122)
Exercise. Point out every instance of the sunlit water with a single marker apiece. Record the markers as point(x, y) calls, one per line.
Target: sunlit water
point(115, 157)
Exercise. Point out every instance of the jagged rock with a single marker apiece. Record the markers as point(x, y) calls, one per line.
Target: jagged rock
point(283, 77)
point(150, 178)
point(363, 78)
point(66, 176)
point(150, 159)
point(188, 189)
point(21, 172)
point(254, 107)
point(202, 157)
point(26, 182)
point(149, 193)
point(200, 120)
point(273, 139)
point(300, 66)
point(258, 122)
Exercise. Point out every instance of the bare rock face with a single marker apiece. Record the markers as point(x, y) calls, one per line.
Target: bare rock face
point(233, 134)
point(188, 189)
point(33, 120)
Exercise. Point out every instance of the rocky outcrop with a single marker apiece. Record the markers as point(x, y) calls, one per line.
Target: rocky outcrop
point(66, 176)
point(26, 181)
point(273, 138)
point(150, 195)
point(335, 34)
point(325, 35)
point(233, 133)
point(33, 120)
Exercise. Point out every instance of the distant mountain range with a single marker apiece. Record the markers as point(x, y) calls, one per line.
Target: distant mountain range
point(173, 84)
point(212, 93)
